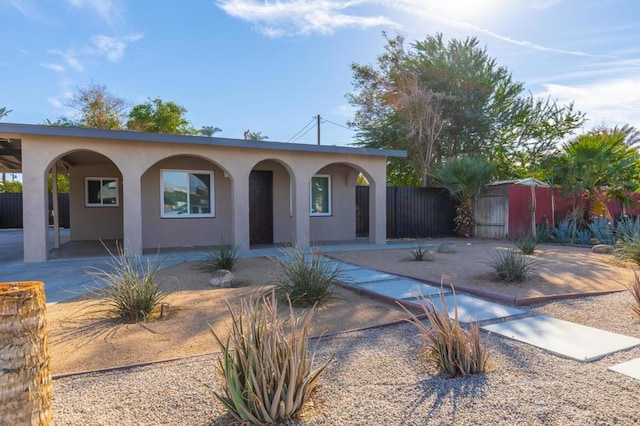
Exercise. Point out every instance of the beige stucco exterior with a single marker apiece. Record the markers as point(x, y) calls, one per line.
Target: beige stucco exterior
point(136, 160)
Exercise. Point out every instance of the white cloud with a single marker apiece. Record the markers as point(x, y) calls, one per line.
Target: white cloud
point(610, 102)
point(113, 47)
point(301, 17)
point(54, 67)
point(25, 7)
point(70, 57)
point(107, 9)
point(55, 102)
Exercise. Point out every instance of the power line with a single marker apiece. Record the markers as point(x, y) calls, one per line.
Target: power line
point(308, 130)
point(336, 124)
point(301, 130)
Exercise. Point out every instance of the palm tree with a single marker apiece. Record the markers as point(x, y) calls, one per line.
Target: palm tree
point(600, 160)
point(464, 177)
point(4, 112)
point(209, 131)
point(254, 136)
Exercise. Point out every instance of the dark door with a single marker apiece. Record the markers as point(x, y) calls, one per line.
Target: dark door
point(261, 207)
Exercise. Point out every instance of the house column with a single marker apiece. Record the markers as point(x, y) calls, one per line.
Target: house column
point(132, 212)
point(378, 209)
point(35, 201)
point(240, 210)
point(301, 209)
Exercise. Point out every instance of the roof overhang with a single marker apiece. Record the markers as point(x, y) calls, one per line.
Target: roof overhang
point(11, 135)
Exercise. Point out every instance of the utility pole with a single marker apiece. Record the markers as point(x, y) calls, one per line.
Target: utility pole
point(318, 125)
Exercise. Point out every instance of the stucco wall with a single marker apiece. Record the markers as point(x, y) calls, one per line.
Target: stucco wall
point(158, 232)
point(341, 225)
point(93, 223)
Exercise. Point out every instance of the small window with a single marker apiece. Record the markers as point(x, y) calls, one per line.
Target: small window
point(186, 193)
point(101, 192)
point(321, 195)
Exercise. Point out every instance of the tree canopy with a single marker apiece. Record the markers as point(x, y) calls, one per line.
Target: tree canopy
point(97, 108)
point(158, 116)
point(441, 99)
point(4, 112)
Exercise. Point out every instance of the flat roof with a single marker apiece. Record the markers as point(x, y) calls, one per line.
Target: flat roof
point(10, 131)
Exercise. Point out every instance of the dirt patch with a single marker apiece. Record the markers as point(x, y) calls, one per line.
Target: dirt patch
point(80, 340)
point(558, 269)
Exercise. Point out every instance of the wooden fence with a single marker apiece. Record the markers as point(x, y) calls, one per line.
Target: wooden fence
point(411, 212)
point(11, 210)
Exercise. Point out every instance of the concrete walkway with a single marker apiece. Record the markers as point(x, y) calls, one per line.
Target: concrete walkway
point(559, 337)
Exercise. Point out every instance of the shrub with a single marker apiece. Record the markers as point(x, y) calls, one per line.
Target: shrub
point(564, 232)
point(225, 257)
point(628, 251)
point(511, 266)
point(527, 245)
point(130, 285)
point(543, 233)
point(628, 229)
point(306, 279)
point(634, 289)
point(421, 253)
point(268, 374)
point(583, 236)
point(454, 349)
point(602, 230)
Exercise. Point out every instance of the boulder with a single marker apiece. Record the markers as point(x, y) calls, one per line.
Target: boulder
point(221, 278)
point(602, 249)
point(447, 248)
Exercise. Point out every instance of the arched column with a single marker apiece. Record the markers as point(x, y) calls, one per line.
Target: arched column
point(301, 208)
point(240, 209)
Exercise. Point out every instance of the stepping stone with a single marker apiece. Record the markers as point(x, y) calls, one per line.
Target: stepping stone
point(629, 368)
point(402, 288)
point(474, 309)
point(564, 338)
point(362, 275)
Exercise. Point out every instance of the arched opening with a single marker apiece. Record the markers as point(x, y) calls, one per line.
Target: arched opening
point(339, 211)
point(85, 204)
point(271, 201)
point(186, 202)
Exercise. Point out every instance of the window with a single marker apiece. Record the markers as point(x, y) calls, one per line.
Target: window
point(186, 193)
point(99, 192)
point(321, 195)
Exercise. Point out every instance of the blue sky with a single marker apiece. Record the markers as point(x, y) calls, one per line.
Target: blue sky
point(271, 66)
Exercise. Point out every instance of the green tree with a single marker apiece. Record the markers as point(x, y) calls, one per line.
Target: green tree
point(464, 177)
point(254, 136)
point(158, 116)
point(97, 108)
point(61, 122)
point(482, 110)
point(4, 112)
point(11, 186)
point(209, 131)
point(599, 164)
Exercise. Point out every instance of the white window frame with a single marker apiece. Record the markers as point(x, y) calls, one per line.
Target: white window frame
point(88, 179)
point(188, 214)
point(311, 212)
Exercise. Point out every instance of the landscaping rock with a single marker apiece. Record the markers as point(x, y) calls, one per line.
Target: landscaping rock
point(447, 248)
point(602, 249)
point(222, 278)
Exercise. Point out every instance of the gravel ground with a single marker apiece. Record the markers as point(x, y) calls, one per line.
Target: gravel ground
point(377, 378)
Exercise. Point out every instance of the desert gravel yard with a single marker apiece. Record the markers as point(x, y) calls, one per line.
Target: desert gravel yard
point(378, 375)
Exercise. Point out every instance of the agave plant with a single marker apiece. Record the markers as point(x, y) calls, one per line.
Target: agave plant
point(268, 373)
point(511, 266)
point(224, 257)
point(306, 279)
point(454, 349)
point(634, 289)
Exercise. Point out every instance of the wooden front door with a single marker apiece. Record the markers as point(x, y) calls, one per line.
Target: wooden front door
point(261, 207)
